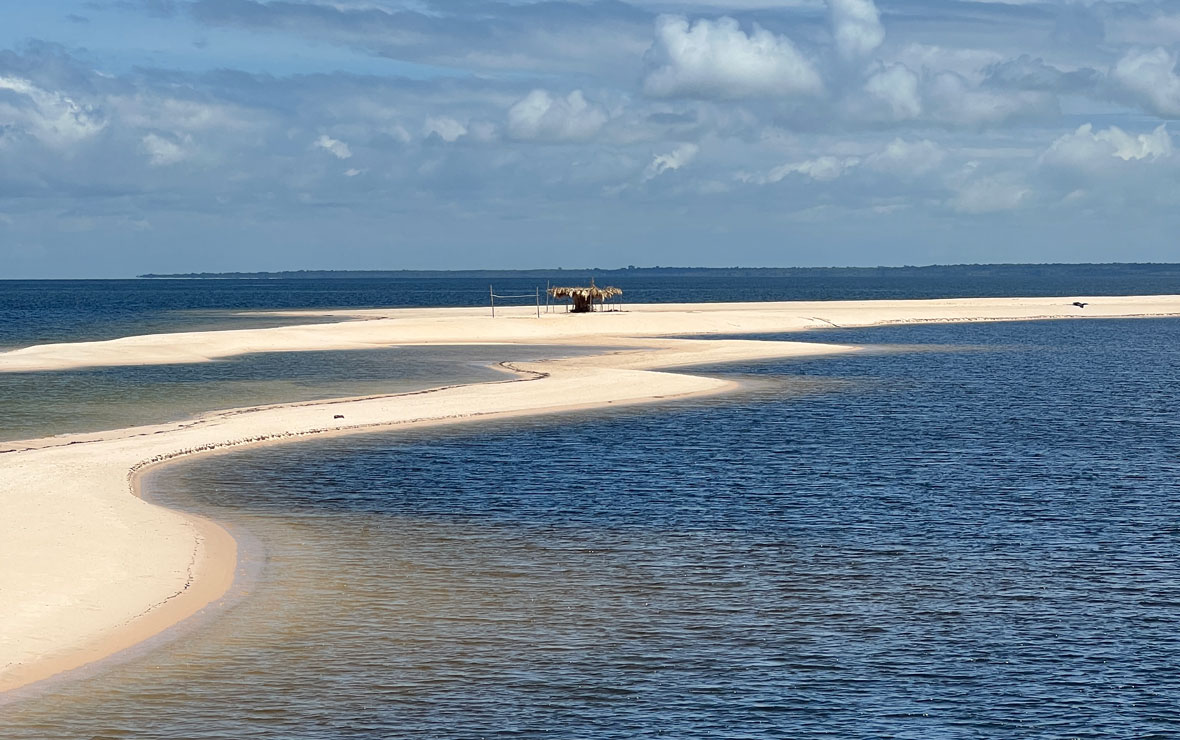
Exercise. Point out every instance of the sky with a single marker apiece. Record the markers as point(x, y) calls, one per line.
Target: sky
point(217, 135)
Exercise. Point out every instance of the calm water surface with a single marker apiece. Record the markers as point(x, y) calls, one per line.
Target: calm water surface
point(38, 404)
point(40, 311)
point(935, 544)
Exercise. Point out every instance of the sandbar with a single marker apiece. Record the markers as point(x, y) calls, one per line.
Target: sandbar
point(88, 568)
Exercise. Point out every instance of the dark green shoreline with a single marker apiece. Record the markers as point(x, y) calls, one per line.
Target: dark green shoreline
point(1057, 270)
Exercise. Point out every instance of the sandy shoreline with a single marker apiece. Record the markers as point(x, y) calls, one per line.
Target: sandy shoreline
point(385, 327)
point(88, 568)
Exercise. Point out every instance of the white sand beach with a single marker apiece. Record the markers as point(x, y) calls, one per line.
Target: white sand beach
point(87, 568)
point(385, 327)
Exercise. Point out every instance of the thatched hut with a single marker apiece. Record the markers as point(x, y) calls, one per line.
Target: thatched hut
point(584, 298)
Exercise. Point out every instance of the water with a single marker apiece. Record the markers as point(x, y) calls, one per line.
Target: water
point(38, 404)
point(42, 311)
point(931, 544)
point(47, 311)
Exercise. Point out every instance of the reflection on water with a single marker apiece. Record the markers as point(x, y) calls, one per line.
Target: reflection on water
point(976, 544)
point(43, 403)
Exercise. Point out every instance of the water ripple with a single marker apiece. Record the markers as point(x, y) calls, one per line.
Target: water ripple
point(937, 544)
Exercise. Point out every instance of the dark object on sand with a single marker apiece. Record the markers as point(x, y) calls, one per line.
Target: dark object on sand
point(1079, 304)
point(338, 416)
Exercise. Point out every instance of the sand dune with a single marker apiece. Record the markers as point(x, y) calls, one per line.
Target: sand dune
point(88, 568)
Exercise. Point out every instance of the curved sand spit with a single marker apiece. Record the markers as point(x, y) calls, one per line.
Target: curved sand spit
point(87, 568)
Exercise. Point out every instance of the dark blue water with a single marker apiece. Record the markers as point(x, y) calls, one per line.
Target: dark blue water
point(41, 311)
point(934, 544)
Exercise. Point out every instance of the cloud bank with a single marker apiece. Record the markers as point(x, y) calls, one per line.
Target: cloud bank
point(841, 122)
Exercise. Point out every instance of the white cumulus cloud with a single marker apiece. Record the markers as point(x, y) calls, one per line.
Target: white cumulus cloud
point(954, 100)
point(1087, 148)
point(899, 158)
point(673, 160)
point(445, 128)
point(334, 146)
point(717, 59)
point(52, 118)
point(1149, 78)
point(821, 169)
point(856, 26)
point(539, 115)
point(894, 88)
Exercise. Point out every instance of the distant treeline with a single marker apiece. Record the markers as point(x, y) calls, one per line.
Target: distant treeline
point(1057, 270)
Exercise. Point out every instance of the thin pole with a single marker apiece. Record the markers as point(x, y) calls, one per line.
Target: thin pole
point(492, 297)
point(538, 291)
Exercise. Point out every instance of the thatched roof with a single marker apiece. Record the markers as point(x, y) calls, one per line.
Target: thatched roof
point(590, 293)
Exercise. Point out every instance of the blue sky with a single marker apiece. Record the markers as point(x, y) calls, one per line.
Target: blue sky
point(190, 135)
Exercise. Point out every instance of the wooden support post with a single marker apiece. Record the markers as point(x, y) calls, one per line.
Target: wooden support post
point(492, 296)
